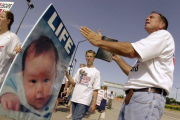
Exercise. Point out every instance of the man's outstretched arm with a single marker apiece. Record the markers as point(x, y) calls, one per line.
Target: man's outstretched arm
point(121, 48)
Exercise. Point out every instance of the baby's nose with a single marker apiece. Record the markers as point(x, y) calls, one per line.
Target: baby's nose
point(40, 88)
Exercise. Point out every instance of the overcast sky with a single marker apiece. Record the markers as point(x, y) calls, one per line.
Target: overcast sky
point(123, 20)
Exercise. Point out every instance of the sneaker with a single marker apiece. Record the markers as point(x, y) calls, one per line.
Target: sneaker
point(69, 116)
point(86, 113)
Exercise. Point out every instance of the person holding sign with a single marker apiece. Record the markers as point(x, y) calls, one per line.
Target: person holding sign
point(150, 79)
point(10, 44)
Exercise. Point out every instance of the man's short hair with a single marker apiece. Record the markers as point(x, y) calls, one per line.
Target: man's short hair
point(41, 45)
point(91, 51)
point(162, 18)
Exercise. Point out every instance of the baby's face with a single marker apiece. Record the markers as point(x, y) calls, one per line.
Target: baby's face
point(38, 78)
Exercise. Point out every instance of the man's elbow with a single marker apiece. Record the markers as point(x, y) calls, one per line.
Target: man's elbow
point(133, 54)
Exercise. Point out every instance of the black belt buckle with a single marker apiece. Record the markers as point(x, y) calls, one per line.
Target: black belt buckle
point(164, 92)
point(160, 91)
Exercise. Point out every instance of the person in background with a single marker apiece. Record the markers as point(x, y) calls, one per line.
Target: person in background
point(110, 100)
point(103, 99)
point(87, 84)
point(71, 89)
point(150, 79)
point(62, 92)
point(10, 44)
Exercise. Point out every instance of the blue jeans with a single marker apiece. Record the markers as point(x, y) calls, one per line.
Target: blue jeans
point(78, 111)
point(87, 110)
point(143, 106)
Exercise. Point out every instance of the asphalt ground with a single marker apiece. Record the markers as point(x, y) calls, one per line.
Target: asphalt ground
point(63, 111)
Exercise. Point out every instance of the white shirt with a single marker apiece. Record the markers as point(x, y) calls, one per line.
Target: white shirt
point(155, 66)
point(100, 97)
point(87, 80)
point(8, 41)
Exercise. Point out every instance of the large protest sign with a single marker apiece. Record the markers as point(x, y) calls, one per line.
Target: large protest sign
point(33, 81)
point(5, 6)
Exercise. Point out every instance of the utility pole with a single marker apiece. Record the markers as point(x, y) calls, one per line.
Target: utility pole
point(30, 6)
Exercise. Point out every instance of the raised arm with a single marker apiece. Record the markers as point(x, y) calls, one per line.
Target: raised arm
point(70, 79)
point(121, 48)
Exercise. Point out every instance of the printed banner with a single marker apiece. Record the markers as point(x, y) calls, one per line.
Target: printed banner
point(114, 85)
point(5, 6)
point(33, 81)
point(100, 97)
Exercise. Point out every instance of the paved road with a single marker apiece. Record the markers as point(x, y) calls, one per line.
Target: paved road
point(171, 115)
point(112, 114)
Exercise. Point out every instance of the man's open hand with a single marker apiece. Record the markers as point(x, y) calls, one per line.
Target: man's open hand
point(91, 36)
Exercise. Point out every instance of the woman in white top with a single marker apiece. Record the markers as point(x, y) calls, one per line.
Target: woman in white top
point(103, 100)
point(9, 43)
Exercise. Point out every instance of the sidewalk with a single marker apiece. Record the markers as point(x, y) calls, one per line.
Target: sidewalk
point(112, 114)
point(63, 111)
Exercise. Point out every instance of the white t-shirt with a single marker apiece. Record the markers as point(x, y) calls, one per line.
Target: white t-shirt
point(8, 41)
point(87, 80)
point(112, 96)
point(100, 97)
point(155, 67)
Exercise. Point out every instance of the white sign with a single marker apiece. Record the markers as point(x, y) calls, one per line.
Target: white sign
point(5, 6)
point(115, 85)
point(100, 97)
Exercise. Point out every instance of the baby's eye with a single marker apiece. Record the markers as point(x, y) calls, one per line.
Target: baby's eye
point(46, 80)
point(33, 81)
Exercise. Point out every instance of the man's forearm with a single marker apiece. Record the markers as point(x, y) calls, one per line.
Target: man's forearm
point(95, 93)
point(121, 48)
point(123, 65)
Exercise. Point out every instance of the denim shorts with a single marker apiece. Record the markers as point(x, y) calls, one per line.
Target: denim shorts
point(143, 106)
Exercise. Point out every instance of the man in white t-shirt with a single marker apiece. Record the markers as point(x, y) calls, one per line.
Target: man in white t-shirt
point(151, 77)
point(87, 84)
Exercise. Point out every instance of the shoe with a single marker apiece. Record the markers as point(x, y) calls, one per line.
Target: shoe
point(86, 115)
point(69, 116)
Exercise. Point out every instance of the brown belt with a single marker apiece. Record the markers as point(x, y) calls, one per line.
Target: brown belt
point(153, 90)
point(130, 92)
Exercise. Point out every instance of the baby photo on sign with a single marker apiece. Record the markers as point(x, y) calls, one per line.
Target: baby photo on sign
point(33, 81)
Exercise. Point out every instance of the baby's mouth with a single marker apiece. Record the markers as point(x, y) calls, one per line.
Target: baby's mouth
point(40, 100)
